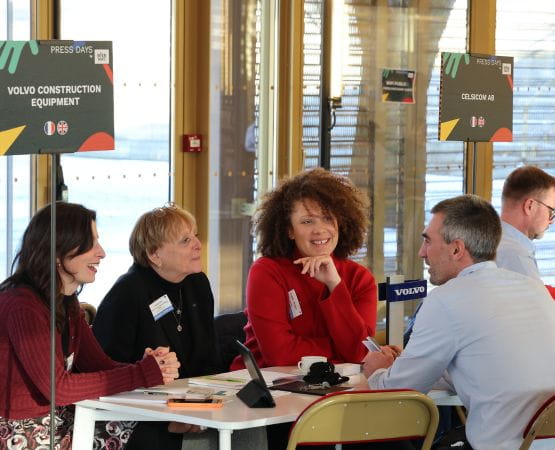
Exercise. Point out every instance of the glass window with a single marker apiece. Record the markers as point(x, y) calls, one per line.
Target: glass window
point(15, 180)
point(122, 184)
point(525, 32)
point(234, 87)
point(389, 149)
point(312, 67)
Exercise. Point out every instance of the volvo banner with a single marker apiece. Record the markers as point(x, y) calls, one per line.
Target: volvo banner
point(400, 292)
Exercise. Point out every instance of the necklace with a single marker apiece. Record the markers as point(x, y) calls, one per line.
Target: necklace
point(177, 313)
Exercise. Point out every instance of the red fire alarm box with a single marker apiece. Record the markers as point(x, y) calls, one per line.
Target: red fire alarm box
point(192, 143)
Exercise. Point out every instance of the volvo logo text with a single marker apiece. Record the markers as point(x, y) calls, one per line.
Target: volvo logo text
point(409, 291)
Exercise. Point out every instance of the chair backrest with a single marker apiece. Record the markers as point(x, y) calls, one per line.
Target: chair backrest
point(542, 424)
point(90, 311)
point(364, 416)
point(229, 328)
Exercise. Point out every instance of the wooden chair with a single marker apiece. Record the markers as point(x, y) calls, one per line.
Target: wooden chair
point(542, 424)
point(366, 416)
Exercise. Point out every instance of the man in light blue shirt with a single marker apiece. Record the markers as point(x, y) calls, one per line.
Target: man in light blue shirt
point(487, 332)
point(527, 210)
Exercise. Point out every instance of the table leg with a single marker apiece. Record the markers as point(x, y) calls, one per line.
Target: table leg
point(83, 428)
point(225, 439)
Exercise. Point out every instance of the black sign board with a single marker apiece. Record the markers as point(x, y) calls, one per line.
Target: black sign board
point(398, 85)
point(476, 98)
point(56, 96)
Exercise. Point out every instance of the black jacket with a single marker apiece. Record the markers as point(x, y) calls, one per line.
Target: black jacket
point(124, 324)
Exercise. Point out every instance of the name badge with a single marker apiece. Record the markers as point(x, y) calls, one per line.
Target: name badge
point(69, 362)
point(294, 305)
point(160, 307)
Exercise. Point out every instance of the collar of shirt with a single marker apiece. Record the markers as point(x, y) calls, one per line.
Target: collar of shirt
point(478, 266)
point(518, 236)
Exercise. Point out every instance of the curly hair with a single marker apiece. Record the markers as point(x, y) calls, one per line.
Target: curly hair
point(336, 195)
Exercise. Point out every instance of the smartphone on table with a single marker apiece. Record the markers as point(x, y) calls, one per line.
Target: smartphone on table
point(195, 403)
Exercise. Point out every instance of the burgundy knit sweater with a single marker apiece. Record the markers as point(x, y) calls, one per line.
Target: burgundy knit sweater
point(25, 361)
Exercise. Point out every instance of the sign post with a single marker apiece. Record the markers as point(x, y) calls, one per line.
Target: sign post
point(55, 97)
point(395, 291)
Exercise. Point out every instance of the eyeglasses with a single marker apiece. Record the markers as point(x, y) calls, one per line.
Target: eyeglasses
point(551, 210)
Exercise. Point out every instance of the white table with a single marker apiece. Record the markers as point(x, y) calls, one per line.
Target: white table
point(235, 415)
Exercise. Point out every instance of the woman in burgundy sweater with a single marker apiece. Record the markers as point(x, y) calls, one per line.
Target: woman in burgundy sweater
point(304, 297)
point(82, 369)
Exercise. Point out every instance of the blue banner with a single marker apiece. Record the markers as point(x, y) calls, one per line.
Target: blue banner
point(400, 292)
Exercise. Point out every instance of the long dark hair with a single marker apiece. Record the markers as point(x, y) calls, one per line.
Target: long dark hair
point(32, 262)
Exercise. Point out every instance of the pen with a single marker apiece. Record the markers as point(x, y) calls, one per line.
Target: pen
point(229, 380)
point(156, 393)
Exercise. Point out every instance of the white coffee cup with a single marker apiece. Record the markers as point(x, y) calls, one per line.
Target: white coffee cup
point(306, 361)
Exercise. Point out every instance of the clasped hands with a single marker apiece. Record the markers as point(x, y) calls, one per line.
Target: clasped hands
point(167, 362)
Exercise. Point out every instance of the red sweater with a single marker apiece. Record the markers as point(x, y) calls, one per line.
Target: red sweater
point(25, 356)
point(332, 325)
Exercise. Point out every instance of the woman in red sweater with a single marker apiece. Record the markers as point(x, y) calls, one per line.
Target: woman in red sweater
point(304, 297)
point(82, 369)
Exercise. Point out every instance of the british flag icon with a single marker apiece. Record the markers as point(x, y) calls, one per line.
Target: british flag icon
point(62, 127)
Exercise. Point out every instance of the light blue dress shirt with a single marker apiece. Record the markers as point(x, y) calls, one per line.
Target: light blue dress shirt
point(516, 252)
point(493, 331)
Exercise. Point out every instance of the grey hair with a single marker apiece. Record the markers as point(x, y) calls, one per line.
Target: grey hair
point(472, 220)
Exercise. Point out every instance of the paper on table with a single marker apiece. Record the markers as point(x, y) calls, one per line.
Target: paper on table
point(136, 397)
point(221, 380)
point(176, 390)
point(160, 394)
point(236, 379)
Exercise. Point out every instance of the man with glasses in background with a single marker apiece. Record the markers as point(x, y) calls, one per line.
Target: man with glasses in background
point(527, 211)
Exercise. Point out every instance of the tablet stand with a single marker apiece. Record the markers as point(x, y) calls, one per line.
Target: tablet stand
point(254, 395)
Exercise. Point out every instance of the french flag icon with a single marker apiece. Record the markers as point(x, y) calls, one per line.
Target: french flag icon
point(49, 128)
